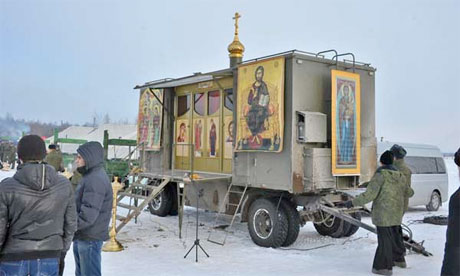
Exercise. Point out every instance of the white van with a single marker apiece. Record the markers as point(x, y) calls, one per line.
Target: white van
point(429, 175)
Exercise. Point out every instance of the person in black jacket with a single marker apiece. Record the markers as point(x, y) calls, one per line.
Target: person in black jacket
point(37, 214)
point(94, 207)
point(451, 262)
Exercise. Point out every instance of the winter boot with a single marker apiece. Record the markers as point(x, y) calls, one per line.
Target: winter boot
point(400, 264)
point(387, 272)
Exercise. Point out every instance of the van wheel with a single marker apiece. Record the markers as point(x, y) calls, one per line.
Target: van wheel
point(267, 225)
point(293, 222)
point(435, 202)
point(161, 205)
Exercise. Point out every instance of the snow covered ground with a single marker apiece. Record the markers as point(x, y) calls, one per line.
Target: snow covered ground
point(152, 247)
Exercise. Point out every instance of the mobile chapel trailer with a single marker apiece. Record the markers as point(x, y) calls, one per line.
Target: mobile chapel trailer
point(262, 138)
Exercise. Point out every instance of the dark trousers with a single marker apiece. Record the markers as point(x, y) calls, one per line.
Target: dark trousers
point(390, 247)
point(61, 264)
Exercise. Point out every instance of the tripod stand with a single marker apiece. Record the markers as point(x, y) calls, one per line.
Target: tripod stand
point(196, 244)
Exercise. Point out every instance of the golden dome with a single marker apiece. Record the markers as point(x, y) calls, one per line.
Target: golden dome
point(236, 48)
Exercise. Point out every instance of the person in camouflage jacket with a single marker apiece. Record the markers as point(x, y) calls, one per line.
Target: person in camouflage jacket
point(399, 152)
point(54, 158)
point(387, 190)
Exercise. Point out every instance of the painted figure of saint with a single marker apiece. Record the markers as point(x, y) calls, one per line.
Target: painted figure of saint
point(145, 117)
point(156, 125)
point(198, 131)
point(258, 113)
point(182, 133)
point(229, 133)
point(346, 123)
point(212, 138)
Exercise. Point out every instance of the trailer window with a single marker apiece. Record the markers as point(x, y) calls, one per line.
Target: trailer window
point(440, 164)
point(228, 102)
point(183, 105)
point(213, 102)
point(422, 165)
point(199, 103)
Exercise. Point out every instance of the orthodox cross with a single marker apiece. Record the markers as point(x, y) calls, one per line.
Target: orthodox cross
point(237, 16)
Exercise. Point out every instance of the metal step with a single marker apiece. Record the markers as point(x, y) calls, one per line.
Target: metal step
point(133, 195)
point(146, 199)
point(142, 186)
point(221, 214)
point(126, 206)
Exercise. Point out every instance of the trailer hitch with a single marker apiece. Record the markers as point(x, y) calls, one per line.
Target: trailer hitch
point(409, 243)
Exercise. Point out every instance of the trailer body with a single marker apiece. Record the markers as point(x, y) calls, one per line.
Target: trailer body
point(300, 174)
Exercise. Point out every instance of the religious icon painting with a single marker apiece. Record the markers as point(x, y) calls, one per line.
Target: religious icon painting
point(182, 139)
point(346, 128)
point(198, 133)
point(228, 136)
point(260, 111)
point(150, 119)
point(213, 136)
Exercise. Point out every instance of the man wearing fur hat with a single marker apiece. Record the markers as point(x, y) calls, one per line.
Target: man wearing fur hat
point(451, 262)
point(399, 153)
point(37, 214)
point(387, 190)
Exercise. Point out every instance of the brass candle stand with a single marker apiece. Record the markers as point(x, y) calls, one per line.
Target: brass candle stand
point(113, 245)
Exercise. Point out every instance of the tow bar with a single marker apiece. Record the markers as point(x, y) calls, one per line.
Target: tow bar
point(408, 241)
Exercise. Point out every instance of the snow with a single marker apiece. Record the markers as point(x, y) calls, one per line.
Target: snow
point(152, 246)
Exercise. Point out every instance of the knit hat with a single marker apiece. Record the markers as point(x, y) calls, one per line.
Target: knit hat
point(398, 151)
point(457, 158)
point(31, 147)
point(387, 158)
point(52, 146)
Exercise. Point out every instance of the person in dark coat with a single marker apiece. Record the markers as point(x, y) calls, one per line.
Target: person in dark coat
point(387, 190)
point(37, 214)
point(451, 262)
point(94, 207)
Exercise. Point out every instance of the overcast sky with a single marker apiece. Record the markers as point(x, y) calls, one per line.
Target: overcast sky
point(68, 60)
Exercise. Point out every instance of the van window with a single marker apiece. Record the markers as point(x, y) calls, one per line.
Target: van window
point(422, 165)
point(440, 164)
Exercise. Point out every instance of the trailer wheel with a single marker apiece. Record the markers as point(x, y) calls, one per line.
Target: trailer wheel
point(161, 205)
point(174, 205)
point(343, 229)
point(329, 226)
point(293, 222)
point(267, 225)
point(353, 228)
point(435, 201)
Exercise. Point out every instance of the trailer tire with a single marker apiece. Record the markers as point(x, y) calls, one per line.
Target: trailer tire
point(343, 229)
point(161, 205)
point(293, 222)
point(327, 228)
point(267, 224)
point(353, 228)
point(174, 205)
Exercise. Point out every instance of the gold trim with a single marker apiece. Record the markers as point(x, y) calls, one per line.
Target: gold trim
point(356, 169)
